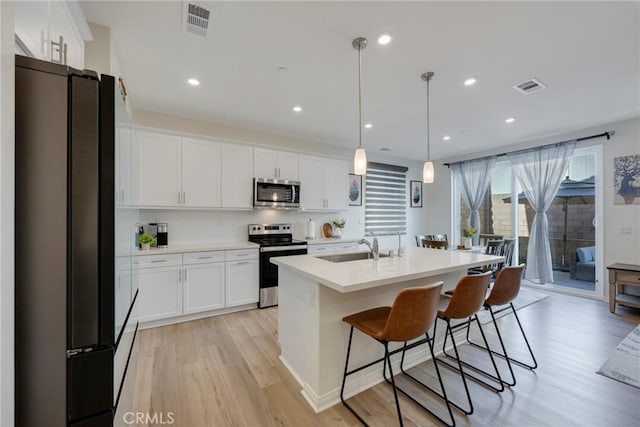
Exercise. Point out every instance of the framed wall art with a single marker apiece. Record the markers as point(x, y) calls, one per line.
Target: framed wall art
point(626, 180)
point(415, 194)
point(355, 190)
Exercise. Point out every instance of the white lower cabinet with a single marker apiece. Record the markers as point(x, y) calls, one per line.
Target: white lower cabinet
point(242, 282)
point(161, 292)
point(175, 285)
point(203, 287)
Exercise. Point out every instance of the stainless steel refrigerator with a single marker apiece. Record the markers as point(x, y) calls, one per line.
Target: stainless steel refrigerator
point(64, 245)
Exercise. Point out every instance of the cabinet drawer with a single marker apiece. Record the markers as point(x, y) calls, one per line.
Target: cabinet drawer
point(320, 249)
point(624, 277)
point(147, 261)
point(347, 247)
point(240, 254)
point(202, 257)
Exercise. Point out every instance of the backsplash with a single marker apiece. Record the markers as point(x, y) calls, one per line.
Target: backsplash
point(205, 226)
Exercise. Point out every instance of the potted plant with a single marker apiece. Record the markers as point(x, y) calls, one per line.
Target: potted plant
point(468, 232)
point(338, 225)
point(146, 240)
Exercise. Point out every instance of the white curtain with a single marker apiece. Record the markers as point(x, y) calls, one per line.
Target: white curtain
point(540, 173)
point(473, 179)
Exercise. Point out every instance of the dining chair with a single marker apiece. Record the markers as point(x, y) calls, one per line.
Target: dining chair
point(435, 244)
point(411, 316)
point(494, 247)
point(441, 237)
point(420, 238)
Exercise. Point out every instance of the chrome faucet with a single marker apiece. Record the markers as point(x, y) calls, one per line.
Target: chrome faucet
point(372, 247)
point(399, 243)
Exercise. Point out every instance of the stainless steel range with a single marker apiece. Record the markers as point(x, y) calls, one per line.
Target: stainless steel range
point(275, 240)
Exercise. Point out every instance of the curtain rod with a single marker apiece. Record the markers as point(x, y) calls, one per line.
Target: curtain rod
point(607, 134)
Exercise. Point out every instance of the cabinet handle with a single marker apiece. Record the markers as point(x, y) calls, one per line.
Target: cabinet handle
point(242, 254)
point(205, 257)
point(321, 249)
point(122, 196)
point(179, 197)
point(180, 275)
point(185, 275)
point(159, 260)
point(184, 197)
point(241, 262)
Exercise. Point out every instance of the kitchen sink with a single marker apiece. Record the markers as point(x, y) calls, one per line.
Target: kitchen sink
point(350, 257)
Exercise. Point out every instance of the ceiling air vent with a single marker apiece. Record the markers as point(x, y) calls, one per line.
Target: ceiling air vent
point(530, 86)
point(196, 19)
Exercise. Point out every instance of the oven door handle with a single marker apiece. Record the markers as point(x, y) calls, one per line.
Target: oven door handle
point(282, 248)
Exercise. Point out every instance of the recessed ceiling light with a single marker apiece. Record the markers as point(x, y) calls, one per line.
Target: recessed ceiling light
point(446, 137)
point(297, 109)
point(470, 82)
point(384, 39)
point(193, 82)
point(368, 126)
point(510, 120)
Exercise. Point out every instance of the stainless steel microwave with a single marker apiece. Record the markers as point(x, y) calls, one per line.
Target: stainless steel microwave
point(276, 193)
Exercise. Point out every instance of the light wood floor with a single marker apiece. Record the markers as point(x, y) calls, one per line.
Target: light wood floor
point(225, 371)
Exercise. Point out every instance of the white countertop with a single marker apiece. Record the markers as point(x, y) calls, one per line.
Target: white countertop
point(352, 276)
point(198, 247)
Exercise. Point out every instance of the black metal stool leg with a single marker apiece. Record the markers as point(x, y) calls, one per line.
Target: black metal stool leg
point(458, 368)
point(393, 382)
point(535, 362)
point(505, 355)
point(442, 396)
point(344, 380)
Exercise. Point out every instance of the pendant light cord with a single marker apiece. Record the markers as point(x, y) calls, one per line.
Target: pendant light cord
point(428, 123)
point(359, 96)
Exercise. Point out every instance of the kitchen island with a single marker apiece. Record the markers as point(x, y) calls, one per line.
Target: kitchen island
point(315, 294)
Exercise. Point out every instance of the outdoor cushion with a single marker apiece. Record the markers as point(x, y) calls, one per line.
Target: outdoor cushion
point(586, 255)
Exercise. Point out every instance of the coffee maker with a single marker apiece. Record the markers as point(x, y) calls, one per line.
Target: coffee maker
point(162, 237)
point(160, 231)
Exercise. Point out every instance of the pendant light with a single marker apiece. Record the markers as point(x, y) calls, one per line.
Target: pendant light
point(360, 157)
point(427, 169)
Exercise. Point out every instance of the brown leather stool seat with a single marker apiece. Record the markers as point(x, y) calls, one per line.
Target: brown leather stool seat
point(504, 291)
point(412, 314)
point(465, 302)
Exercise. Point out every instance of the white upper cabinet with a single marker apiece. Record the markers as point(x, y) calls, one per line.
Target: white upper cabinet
point(52, 30)
point(158, 169)
point(200, 173)
point(236, 190)
point(336, 178)
point(275, 164)
point(171, 171)
point(312, 171)
point(323, 183)
point(123, 167)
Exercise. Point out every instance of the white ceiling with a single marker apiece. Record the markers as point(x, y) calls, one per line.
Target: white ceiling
point(588, 53)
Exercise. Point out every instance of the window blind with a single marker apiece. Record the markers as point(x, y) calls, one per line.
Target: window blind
point(386, 199)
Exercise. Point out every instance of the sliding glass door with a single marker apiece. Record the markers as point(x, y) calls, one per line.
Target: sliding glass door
point(574, 232)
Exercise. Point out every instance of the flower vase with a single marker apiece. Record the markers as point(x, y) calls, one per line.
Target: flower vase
point(337, 232)
point(466, 242)
point(145, 246)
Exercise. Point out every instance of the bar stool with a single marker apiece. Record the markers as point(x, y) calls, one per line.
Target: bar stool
point(465, 302)
point(504, 291)
point(412, 314)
